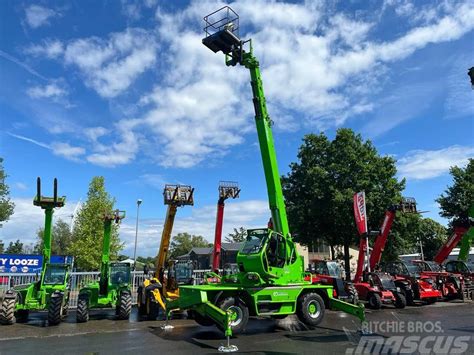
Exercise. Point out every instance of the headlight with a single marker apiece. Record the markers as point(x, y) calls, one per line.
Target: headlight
point(398, 289)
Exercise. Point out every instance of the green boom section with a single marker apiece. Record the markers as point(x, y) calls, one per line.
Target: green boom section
point(468, 239)
point(267, 147)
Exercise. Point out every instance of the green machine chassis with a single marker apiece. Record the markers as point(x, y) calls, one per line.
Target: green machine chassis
point(51, 291)
point(271, 278)
point(113, 289)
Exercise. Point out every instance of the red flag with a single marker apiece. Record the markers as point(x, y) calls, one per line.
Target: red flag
point(360, 212)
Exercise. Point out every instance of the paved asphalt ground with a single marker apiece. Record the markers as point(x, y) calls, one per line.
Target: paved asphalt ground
point(104, 335)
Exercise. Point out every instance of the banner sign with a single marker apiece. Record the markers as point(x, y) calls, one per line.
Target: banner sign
point(360, 212)
point(20, 263)
point(30, 264)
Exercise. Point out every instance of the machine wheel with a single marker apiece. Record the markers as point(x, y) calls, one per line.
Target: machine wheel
point(22, 316)
point(240, 313)
point(374, 301)
point(82, 312)
point(203, 320)
point(140, 303)
point(400, 300)
point(354, 295)
point(55, 309)
point(65, 310)
point(125, 306)
point(409, 297)
point(310, 309)
point(151, 308)
point(7, 312)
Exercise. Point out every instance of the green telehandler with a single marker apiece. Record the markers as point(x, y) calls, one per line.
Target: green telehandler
point(271, 278)
point(51, 291)
point(113, 289)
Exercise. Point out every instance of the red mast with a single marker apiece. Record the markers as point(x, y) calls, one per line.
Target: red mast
point(227, 189)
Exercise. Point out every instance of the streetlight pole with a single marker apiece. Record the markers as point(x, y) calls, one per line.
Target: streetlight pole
point(139, 201)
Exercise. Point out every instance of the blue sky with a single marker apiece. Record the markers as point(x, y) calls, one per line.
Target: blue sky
point(125, 89)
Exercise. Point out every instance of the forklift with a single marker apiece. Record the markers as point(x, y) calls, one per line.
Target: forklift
point(51, 291)
point(271, 279)
point(113, 289)
point(168, 275)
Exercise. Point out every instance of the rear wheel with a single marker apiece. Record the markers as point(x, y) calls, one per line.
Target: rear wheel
point(55, 309)
point(125, 306)
point(151, 308)
point(374, 301)
point(239, 313)
point(353, 295)
point(310, 309)
point(7, 311)
point(400, 300)
point(82, 312)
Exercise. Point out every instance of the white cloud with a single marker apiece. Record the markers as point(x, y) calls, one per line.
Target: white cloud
point(427, 164)
point(49, 48)
point(319, 68)
point(51, 90)
point(27, 219)
point(37, 16)
point(61, 149)
point(111, 66)
point(67, 151)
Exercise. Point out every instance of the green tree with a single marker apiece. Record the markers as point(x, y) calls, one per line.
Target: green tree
point(319, 188)
point(6, 206)
point(62, 238)
point(237, 236)
point(405, 231)
point(2, 246)
point(458, 198)
point(432, 236)
point(86, 245)
point(15, 247)
point(182, 243)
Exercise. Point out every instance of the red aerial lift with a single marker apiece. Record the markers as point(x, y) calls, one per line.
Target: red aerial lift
point(372, 285)
point(227, 189)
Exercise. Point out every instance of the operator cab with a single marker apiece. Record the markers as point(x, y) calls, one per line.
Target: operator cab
point(120, 273)
point(55, 274)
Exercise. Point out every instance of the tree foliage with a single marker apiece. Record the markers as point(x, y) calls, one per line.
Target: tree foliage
point(458, 198)
point(182, 243)
point(319, 188)
point(15, 247)
point(237, 236)
point(61, 239)
point(6, 205)
point(2, 246)
point(88, 231)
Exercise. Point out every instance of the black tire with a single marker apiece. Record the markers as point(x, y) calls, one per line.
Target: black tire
point(240, 311)
point(374, 301)
point(7, 311)
point(409, 297)
point(55, 309)
point(152, 308)
point(310, 309)
point(140, 303)
point(22, 315)
point(125, 306)
point(354, 295)
point(82, 311)
point(400, 300)
point(202, 320)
